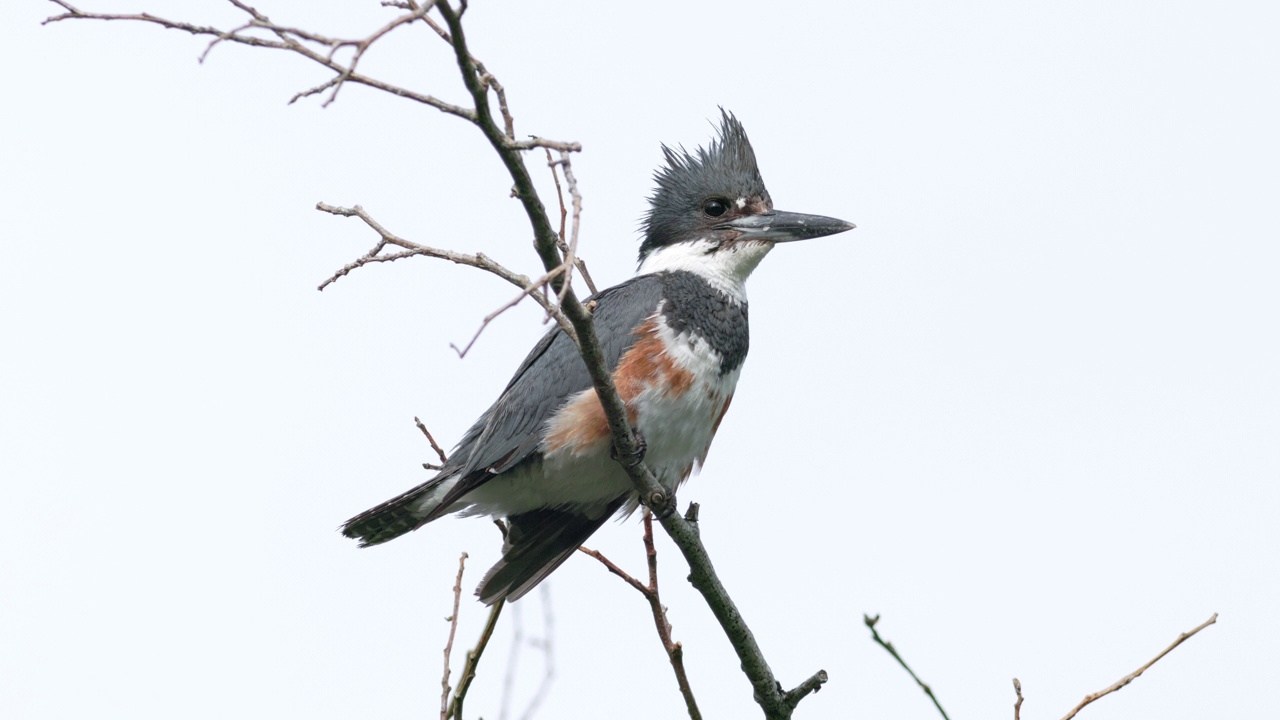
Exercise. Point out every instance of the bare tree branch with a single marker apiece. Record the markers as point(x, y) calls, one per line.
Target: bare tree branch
point(434, 446)
point(1017, 705)
point(479, 260)
point(812, 684)
point(453, 629)
point(531, 289)
point(675, 652)
point(537, 142)
point(454, 710)
point(888, 646)
point(573, 317)
point(286, 38)
point(487, 78)
point(1134, 675)
point(570, 250)
point(570, 257)
point(362, 45)
point(612, 567)
point(473, 661)
point(684, 531)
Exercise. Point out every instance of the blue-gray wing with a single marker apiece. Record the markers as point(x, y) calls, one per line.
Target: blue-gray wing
point(509, 432)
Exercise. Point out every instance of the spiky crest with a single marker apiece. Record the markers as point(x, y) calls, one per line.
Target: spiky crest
point(725, 169)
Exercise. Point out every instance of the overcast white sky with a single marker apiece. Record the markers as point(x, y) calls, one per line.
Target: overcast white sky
point(1029, 411)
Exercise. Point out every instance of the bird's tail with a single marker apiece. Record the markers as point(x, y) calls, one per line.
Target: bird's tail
point(537, 543)
point(399, 515)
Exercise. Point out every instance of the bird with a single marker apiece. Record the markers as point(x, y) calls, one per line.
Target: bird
point(674, 337)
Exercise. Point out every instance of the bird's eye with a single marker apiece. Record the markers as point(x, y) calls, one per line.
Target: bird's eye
point(715, 207)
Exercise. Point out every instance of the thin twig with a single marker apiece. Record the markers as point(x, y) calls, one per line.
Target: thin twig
point(1017, 706)
point(613, 568)
point(479, 260)
point(548, 653)
point(434, 446)
point(571, 252)
point(509, 123)
point(675, 651)
point(530, 290)
point(223, 36)
point(453, 629)
point(537, 142)
point(1134, 675)
point(516, 623)
point(564, 212)
point(473, 661)
point(286, 38)
point(871, 623)
point(362, 45)
point(518, 642)
point(570, 255)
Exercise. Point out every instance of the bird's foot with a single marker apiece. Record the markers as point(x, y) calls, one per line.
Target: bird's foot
point(661, 503)
point(631, 459)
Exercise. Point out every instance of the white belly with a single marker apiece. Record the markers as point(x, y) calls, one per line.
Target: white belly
point(675, 402)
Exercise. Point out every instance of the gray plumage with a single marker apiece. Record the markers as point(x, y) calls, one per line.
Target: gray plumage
point(537, 543)
point(508, 433)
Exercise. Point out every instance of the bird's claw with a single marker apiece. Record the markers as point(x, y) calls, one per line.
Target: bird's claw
point(631, 459)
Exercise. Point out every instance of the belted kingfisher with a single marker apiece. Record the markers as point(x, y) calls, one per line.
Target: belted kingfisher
point(674, 336)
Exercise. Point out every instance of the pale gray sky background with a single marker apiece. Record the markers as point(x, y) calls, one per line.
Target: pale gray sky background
point(1029, 411)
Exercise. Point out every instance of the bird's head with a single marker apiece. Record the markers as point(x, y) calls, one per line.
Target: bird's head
point(711, 209)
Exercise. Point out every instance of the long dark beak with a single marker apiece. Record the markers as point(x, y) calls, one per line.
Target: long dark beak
point(779, 226)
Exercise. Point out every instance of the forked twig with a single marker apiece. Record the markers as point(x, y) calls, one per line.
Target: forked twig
point(313, 46)
point(675, 651)
point(569, 252)
point(361, 46)
point(473, 661)
point(434, 446)
point(479, 260)
point(532, 289)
